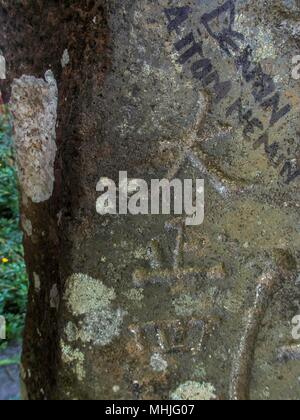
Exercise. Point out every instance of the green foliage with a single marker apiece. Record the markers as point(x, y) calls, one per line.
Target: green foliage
point(13, 279)
point(9, 362)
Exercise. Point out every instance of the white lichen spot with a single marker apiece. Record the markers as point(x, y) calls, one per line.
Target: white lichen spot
point(74, 359)
point(65, 60)
point(2, 67)
point(37, 282)
point(91, 299)
point(34, 106)
point(116, 389)
point(54, 297)
point(26, 225)
point(194, 391)
point(157, 363)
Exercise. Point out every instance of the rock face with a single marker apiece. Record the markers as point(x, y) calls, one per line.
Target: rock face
point(34, 107)
point(142, 307)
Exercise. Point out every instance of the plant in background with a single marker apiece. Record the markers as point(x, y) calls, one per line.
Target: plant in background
point(13, 279)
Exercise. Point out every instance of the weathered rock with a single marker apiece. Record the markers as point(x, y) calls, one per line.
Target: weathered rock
point(145, 308)
point(34, 108)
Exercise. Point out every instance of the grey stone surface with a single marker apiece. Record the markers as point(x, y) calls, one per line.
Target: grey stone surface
point(185, 100)
point(192, 89)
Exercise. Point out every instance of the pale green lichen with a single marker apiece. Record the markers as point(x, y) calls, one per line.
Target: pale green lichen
point(199, 372)
point(136, 296)
point(91, 299)
point(140, 253)
point(71, 332)
point(184, 305)
point(97, 328)
point(75, 359)
point(157, 363)
point(187, 305)
point(100, 328)
point(194, 391)
point(85, 294)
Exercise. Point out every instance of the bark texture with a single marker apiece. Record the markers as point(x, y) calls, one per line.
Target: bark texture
point(135, 307)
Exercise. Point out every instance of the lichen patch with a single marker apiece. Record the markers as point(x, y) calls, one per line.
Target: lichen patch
point(158, 363)
point(101, 327)
point(84, 294)
point(71, 332)
point(65, 60)
point(91, 300)
point(34, 107)
point(74, 359)
point(187, 305)
point(194, 391)
point(135, 297)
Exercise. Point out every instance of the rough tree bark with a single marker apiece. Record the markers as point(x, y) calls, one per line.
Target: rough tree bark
point(135, 307)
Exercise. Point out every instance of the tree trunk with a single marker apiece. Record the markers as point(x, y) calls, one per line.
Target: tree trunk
point(144, 307)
